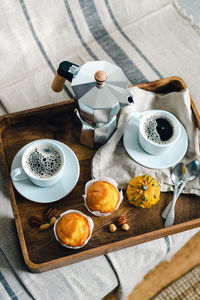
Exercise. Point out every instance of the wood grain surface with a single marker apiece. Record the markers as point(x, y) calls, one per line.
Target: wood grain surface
point(40, 250)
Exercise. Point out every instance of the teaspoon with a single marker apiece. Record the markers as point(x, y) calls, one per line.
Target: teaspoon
point(177, 176)
point(192, 172)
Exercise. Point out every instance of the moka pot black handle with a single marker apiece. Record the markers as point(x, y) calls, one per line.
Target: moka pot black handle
point(66, 71)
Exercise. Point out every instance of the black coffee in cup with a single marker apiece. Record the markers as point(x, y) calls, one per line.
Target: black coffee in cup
point(158, 129)
point(43, 162)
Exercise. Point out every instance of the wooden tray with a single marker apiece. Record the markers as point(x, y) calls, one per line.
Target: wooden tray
point(40, 250)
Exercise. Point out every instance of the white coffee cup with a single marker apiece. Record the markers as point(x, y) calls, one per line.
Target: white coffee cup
point(151, 143)
point(48, 155)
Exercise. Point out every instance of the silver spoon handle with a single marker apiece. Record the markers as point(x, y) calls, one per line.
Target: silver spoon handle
point(171, 215)
point(167, 209)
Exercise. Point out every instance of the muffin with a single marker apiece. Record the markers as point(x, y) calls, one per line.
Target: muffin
point(102, 196)
point(73, 229)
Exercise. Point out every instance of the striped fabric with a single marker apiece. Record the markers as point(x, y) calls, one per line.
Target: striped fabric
point(77, 31)
point(148, 40)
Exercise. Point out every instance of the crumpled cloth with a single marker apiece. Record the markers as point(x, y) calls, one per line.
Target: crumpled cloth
point(112, 160)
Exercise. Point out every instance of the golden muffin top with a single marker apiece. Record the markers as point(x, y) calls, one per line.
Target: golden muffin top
point(102, 196)
point(73, 229)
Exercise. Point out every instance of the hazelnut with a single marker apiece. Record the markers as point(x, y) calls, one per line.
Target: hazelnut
point(120, 221)
point(125, 227)
point(113, 228)
point(52, 221)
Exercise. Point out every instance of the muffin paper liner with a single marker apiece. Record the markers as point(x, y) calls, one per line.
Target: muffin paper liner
point(111, 181)
point(90, 221)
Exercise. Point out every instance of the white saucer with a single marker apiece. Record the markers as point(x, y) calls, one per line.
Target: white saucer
point(165, 160)
point(49, 194)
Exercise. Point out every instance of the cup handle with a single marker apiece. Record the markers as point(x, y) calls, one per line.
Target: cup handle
point(138, 115)
point(18, 174)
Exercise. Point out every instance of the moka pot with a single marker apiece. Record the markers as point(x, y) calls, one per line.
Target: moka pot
point(101, 89)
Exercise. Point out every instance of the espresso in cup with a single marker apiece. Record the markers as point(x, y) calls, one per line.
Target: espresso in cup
point(158, 131)
point(43, 161)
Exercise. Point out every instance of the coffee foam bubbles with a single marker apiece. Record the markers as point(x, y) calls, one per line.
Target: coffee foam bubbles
point(43, 161)
point(150, 129)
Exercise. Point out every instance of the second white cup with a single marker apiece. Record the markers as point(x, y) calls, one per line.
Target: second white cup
point(158, 131)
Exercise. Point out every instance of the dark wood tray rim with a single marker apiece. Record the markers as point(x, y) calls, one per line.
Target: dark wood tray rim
point(131, 241)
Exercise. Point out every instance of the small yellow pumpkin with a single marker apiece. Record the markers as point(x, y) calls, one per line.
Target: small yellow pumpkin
point(143, 191)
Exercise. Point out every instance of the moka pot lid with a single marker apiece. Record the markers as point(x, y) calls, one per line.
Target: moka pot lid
point(101, 85)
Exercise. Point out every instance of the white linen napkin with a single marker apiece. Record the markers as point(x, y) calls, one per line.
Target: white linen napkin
point(113, 161)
